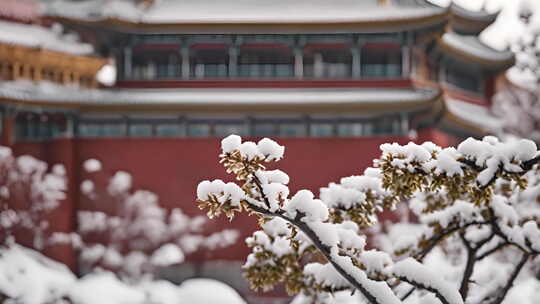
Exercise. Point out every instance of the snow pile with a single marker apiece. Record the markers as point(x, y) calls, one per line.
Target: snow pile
point(41, 37)
point(413, 271)
point(119, 183)
point(141, 235)
point(32, 278)
point(488, 154)
point(168, 254)
point(196, 291)
point(304, 205)
point(469, 206)
point(104, 288)
point(29, 191)
point(172, 11)
point(266, 149)
point(49, 92)
point(230, 192)
point(472, 45)
point(92, 165)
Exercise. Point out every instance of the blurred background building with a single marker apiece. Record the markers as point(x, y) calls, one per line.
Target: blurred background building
point(150, 87)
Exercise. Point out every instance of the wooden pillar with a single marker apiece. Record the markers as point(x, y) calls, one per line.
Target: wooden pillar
point(16, 71)
point(298, 62)
point(26, 74)
point(75, 78)
point(128, 63)
point(57, 76)
point(233, 61)
point(66, 77)
point(407, 55)
point(93, 83)
point(8, 127)
point(355, 54)
point(37, 74)
point(185, 62)
point(4, 71)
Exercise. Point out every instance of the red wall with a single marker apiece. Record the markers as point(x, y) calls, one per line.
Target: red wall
point(172, 168)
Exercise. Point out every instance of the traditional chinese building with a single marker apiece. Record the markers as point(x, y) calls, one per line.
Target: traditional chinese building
point(331, 80)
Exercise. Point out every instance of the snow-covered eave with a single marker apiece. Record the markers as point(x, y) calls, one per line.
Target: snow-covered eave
point(226, 100)
point(259, 27)
point(472, 16)
point(37, 36)
point(470, 118)
point(464, 52)
point(44, 53)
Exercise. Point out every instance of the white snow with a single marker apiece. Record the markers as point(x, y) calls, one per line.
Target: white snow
point(271, 150)
point(224, 192)
point(326, 274)
point(119, 183)
point(276, 227)
point(87, 187)
point(107, 75)
point(475, 114)
point(166, 255)
point(41, 37)
point(32, 278)
point(92, 165)
point(303, 201)
point(204, 291)
point(472, 45)
point(447, 162)
point(239, 11)
point(272, 176)
point(249, 150)
point(375, 261)
point(104, 288)
point(50, 92)
point(231, 143)
point(416, 272)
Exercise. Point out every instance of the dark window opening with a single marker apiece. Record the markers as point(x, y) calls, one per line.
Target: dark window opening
point(381, 62)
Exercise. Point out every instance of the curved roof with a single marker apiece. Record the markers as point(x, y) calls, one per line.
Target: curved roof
point(218, 15)
point(480, 16)
point(470, 118)
point(470, 22)
point(222, 99)
point(42, 37)
point(470, 48)
point(21, 10)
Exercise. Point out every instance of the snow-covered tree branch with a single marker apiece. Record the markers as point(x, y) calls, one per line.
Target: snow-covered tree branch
point(29, 192)
point(476, 203)
point(137, 235)
point(522, 97)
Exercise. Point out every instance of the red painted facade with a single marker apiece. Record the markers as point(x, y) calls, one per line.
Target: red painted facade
point(172, 168)
point(398, 83)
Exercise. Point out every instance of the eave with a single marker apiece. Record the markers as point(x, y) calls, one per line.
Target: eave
point(459, 54)
point(338, 26)
point(470, 22)
point(127, 102)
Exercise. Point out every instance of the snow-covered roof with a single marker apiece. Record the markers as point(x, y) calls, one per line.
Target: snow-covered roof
point(472, 47)
point(480, 15)
point(471, 22)
point(53, 94)
point(23, 10)
point(42, 37)
point(244, 11)
point(474, 114)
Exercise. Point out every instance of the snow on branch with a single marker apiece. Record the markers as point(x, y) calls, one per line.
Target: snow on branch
point(475, 202)
point(29, 192)
point(138, 235)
